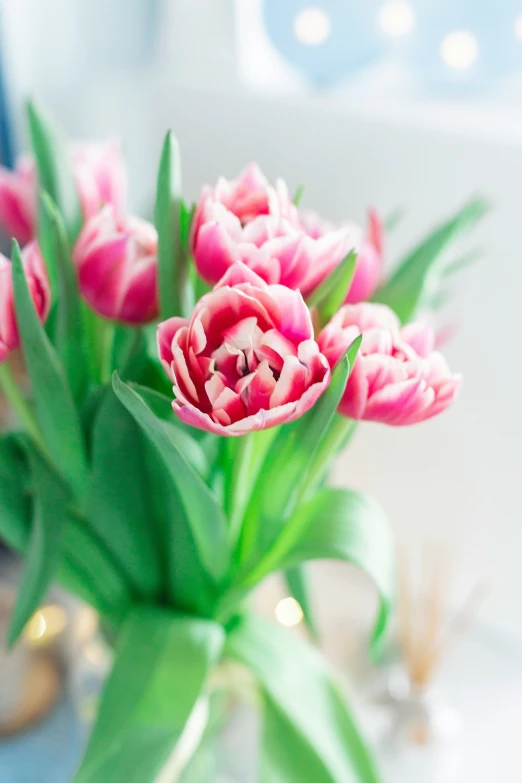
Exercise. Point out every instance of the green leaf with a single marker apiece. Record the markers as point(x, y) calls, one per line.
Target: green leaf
point(206, 517)
point(238, 464)
point(55, 407)
point(238, 455)
point(187, 216)
point(15, 501)
point(339, 433)
point(309, 733)
point(297, 585)
point(85, 567)
point(118, 500)
point(339, 524)
point(89, 569)
point(203, 764)
point(169, 218)
point(298, 195)
point(394, 219)
point(126, 342)
point(181, 433)
point(419, 275)
point(332, 292)
point(54, 171)
point(466, 260)
point(188, 586)
point(162, 663)
point(45, 543)
point(285, 474)
point(68, 326)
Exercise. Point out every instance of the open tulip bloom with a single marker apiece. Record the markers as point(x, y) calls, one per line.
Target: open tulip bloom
point(191, 382)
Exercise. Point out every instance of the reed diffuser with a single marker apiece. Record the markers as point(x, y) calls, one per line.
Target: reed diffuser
point(428, 630)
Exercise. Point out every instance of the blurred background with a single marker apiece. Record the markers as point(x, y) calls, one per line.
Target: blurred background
point(397, 104)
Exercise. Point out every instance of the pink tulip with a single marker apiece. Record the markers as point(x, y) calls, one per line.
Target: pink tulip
point(398, 377)
point(18, 201)
point(117, 267)
point(100, 175)
point(369, 250)
point(248, 220)
point(246, 359)
point(247, 197)
point(37, 281)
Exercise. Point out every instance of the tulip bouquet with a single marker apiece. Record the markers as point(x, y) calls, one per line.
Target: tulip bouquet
point(189, 384)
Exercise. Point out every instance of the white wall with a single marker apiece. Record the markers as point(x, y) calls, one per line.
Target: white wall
point(457, 478)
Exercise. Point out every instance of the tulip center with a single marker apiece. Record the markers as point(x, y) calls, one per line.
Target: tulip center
point(245, 369)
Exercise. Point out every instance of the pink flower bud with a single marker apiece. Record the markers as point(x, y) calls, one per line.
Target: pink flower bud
point(398, 377)
point(100, 176)
point(117, 267)
point(18, 201)
point(37, 281)
point(246, 359)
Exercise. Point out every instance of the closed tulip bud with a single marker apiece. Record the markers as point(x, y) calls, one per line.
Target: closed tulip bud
point(18, 201)
point(117, 267)
point(38, 284)
point(100, 176)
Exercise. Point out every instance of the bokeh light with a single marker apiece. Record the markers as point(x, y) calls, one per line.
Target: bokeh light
point(397, 18)
point(459, 49)
point(46, 625)
point(312, 26)
point(518, 27)
point(288, 612)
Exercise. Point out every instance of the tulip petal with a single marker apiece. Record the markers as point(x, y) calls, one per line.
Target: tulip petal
point(240, 273)
point(291, 384)
point(17, 205)
point(164, 340)
point(256, 389)
point(182, 375)
point(327, 252)
point(355, 398)
point(293, 318)
point(367, 275)
point(214, 387)
point(420, 337)
point(389, 403)
point(39, 289)
point(117, 267)
point(214, 252)
point(228, 404)
point(274, 347)
point(139, 301)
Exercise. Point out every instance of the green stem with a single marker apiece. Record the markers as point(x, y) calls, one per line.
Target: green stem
point(261, 441)
point(337, 437)
point(107, 344)
point(335, 440)
point(238, 491)
point(17, 401)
